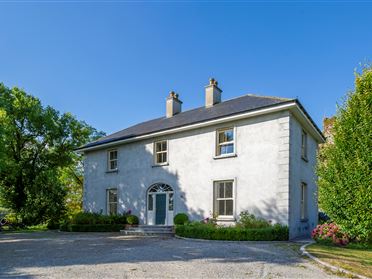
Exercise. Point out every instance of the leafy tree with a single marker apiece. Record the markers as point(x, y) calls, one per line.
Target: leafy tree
point(345, 164)
point(36, 146)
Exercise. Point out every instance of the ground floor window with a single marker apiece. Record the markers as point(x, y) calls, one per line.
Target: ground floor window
point(224, 198)
point(112, 201)
point(303, 206)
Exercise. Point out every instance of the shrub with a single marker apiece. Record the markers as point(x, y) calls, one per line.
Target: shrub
point(84, 218)
point(181, 219)
point(93, 222)
point(132, 220)
point(330, 233)
point(249, 221)
point(118, 219)
point(208, 231)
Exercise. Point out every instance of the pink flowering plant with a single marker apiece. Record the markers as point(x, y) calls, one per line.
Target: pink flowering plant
point(330, 233)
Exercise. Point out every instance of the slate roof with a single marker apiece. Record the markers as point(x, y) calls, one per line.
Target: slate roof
point(227, 108)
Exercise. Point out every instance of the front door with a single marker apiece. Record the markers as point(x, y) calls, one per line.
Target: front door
point(160, 209)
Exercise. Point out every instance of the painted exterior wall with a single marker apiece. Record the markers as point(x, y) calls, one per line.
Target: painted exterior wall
point(261, 170)
point(302, 171)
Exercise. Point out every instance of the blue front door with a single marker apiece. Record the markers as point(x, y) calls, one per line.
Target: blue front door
point(160, 213)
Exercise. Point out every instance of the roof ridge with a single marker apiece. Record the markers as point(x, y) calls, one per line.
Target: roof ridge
point(269, 97)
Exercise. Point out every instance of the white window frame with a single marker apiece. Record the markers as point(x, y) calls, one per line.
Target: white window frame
point(304, 145)
point(108, 203)
point(215, 200)
point(109, 160)
point(161, 152)
point(218, 144)
point(303, 201)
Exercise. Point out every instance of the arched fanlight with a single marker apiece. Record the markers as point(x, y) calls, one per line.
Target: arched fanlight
point(160, 187)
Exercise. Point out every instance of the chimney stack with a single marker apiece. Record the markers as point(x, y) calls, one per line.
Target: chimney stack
point(173, 104)
point(212, 93)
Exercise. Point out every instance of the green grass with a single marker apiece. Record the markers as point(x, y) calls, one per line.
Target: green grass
point(356, 258)
point(36, 228)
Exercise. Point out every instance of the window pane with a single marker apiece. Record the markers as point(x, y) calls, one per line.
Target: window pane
point(158, 158)
point(164, 146)
point(221, 188)
point(221, 207)
point(158, 146)
point(113, 208)
point(112, 196)
point(229, 207)
point(221, 137)
point(171, 201)
point(151, 203)
point(113, 165)
point(228, 190)
point(227, 149)
point(229, 135)
point(113, 155)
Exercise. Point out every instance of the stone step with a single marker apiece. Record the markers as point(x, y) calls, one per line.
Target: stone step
point(153, 226)
point(143, 230)
point(150, 229)
point(147, 233)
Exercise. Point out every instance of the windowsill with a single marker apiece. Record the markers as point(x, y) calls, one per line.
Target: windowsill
point(160, 165)
point(304, 220)
point(305, 159)
point(226, 219)
point(225, 156)
point(112, 171)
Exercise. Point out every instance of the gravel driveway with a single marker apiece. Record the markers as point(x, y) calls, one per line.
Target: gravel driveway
point(109, 255)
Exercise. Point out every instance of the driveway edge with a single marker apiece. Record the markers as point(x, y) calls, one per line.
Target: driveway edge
point(232, 241)
point(332, 267)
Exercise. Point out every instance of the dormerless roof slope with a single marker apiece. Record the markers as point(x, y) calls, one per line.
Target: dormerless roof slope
point(227, 108)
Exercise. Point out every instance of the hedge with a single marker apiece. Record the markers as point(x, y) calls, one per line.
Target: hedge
point(92, 228)
point(276, 232)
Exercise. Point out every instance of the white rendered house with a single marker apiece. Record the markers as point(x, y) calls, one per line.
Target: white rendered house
point(250, 153)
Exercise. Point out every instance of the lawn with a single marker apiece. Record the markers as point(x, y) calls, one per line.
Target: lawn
point(354, 258)
point(36, 228)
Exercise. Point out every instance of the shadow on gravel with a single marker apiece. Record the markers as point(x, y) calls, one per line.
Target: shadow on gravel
point(54, 249)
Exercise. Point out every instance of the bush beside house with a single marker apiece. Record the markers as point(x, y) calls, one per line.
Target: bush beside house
point(248, 228)
point(181, 219)
point(94, 222)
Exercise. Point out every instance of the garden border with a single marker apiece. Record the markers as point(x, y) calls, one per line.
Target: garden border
point(332, 267)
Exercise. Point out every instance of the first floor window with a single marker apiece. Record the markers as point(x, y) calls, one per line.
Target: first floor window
point(112, 201)
point(303, 208)
point(112, 160)
point(224, 198)
point(161, 152)
point(225, 142)
point(304, 145)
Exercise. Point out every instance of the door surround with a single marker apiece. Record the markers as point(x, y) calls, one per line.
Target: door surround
point(151, 194)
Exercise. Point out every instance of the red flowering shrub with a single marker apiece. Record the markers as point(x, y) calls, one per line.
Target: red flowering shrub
point(330, 233)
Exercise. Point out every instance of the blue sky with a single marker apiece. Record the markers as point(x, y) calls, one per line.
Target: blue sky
point(113, 63)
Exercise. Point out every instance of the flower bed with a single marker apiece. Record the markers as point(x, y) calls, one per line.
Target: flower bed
point(330, 233)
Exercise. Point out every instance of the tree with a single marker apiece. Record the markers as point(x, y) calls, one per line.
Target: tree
point(36, 146)
point(345, 165)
